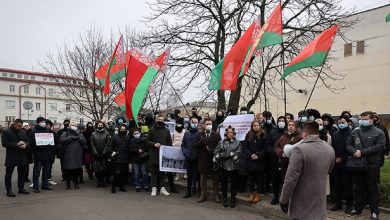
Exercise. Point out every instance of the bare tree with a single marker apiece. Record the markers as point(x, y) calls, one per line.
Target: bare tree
point(201, 33)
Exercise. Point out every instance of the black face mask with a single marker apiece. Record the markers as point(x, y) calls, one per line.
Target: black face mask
point(160, 123)
point(179, 129)
point(122, 133)
point(219, 118)
point(100, 128)
point(66, 125)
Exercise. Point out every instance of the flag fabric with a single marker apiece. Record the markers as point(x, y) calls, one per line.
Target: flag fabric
point(120, 100)
point(225, 74)
point(117, 58)
point(388, 18)
point(117, 71)
point(140, 73)
point(270, 34)
point(314, 54)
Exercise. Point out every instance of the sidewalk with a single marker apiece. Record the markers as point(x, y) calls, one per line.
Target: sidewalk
point(267, 209)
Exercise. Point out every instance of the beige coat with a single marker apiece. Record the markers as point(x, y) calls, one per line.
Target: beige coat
point(177, 138)
point(305, 183)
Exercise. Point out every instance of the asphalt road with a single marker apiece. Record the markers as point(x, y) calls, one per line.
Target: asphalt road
point(91, 203)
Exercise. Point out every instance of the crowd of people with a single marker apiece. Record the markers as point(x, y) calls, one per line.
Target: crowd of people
point(260, 164)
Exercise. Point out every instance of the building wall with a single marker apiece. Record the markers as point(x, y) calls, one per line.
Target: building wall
point(366, 85)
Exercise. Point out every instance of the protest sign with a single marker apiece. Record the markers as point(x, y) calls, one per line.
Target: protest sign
point(241, 124)
point(42, 139)
point(172, 160)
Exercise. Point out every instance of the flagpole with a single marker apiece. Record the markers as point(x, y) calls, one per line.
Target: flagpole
point(284, 82)
point(159, 95)
point(311, 93)
point(174, 90)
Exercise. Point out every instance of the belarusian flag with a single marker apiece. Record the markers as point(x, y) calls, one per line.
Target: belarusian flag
point(314, 54)
point(225, 74)
point(120, 100)
point(117, 58)
point(270, 34)
point(140, 73)
point(388, 18)
point(117, 71)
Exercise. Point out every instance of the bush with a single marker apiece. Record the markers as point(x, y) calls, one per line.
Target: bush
point(384, 188)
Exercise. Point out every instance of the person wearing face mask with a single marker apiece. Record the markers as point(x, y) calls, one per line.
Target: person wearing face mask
point(227, 154)
point(58, 152)
point(274, 166)
point(42, 156)
point(112, 130)
point(27, 129)
point(303, 194)
point(324, 134)
point(191, 156)
point(329, 123)
point(15, 140)
point(342, 178)
point(268, 126)
point(206, 143)
point(87, 154)
point(139, 153)
point(366, 143)
point(219, 118)
point(73, 144)
point(49, 126)
point(378, 124)
point(292, 136)
point(302, 118)
point(177, 137)
point(119, 151)
point(186, 122)
point(195, 114)
point(254, 150)
point(158, 135)
point(99, 144)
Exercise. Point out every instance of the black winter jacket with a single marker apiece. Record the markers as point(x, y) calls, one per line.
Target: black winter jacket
point(158, 135)
point(339, 143)
point(256, 146)
point(121, 145)
point(15, 156)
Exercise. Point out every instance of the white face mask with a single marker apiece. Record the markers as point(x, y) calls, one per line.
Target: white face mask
point(186, 119)
point(137, 135)
point(281, 124)
point(116, 132)
point(42, 124)
point(320, 127)
point(244, 112)
point(74, 128)
point(209, 127)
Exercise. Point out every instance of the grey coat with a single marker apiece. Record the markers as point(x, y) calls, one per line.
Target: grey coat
point(73, 143)
point(305, 183)
point(225, 150)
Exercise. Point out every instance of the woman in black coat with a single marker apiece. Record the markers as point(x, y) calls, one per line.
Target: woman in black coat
point(73, 144)
point(254, 151)
point(87, 155)
point(139, 153)
point(120, 157)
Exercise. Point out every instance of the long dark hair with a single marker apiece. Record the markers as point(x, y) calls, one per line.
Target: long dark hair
point(252, 133)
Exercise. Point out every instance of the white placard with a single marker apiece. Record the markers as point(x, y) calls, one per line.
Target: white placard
point(42, 139)
point(172, 160)
point(241, 124)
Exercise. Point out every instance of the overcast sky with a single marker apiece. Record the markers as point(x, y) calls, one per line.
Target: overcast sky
point(30, 29)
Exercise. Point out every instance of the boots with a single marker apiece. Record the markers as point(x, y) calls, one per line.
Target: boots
point(113, 189)
point(217, 198)
point(67, 185)
point(232, 202)
point(251, 197)
point(225, 202)
point(202, 198)
point(256, 198)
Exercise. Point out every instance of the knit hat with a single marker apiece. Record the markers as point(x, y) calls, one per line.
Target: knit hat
point(40, 119)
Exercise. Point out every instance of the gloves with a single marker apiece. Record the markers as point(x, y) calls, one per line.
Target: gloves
point(74, 137)
point(284, 207)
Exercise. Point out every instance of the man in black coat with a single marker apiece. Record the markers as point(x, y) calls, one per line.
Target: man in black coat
point(43, 153)
point(15, 140)
point(378, 124)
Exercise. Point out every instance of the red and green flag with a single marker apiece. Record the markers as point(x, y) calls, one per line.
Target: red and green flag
point(120, 100)
point(117, 59)
point(140, 73)
point(314, 54)
point(225, 74)
point(117, 71)
point(388, 18)
point(270, 34)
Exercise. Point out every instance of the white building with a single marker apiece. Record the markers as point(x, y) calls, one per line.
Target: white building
point(364, 60)
point(42, 90)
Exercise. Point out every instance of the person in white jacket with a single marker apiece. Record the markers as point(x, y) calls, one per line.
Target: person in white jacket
point(177, 137)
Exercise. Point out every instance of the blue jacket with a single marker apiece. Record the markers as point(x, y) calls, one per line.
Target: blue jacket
point(187, 146)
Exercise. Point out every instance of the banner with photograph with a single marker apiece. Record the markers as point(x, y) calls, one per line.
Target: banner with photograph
point(42, 139)
point(241, 124)
point(172, 160)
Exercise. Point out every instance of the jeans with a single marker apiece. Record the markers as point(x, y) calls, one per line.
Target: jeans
point(21, 176)
point(367, 182)
point(45, 166)
point(140, 170)
point(192, 167)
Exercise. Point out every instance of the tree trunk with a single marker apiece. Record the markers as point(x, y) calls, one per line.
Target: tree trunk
point(234, 100)
point(221, 100)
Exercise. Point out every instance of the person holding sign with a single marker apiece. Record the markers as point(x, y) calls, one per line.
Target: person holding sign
point(72, 143)
point(227, 155)
point(14, 139)
point(42, 144)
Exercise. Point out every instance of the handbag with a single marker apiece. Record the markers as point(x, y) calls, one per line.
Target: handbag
point(357, 164)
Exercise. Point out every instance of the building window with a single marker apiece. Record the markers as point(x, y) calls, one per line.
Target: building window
point(67, 107)
point(38, 90)
point(25, 76)
point(32, 77)
point(10, 118)
point(53, 106)
point(25, 89)
point(10, 104)
point(81, 94)
point(3, 74)
point(11, 88)
point(51, 92)
point(81, 108)
point(360, 46)
point(38, 106)
point(348, 49)
point(51, 79)
point(20, 76)
point(81, 120)
point(11, 75)
point(44, 78)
